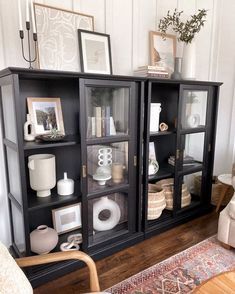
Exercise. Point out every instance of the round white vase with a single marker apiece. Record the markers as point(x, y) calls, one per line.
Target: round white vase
point(43, 239)
point(105, 204)
point(42, 173)
point(189, 61)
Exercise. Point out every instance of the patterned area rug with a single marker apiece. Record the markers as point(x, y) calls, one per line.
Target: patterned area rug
point(182, 272)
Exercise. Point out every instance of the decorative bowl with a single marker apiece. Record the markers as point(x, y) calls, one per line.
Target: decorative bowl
point(49, 138)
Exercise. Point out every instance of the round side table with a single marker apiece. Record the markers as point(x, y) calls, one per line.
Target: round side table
point(226, 180)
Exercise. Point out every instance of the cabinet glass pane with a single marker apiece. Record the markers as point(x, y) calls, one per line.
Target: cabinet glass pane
point(9, 113)
point(191, 189)
point(194, 108)
point(107, 165)
point(107, 111)
point(107, 217)
point(18, 228)
point(14, 174)
point(193, 145)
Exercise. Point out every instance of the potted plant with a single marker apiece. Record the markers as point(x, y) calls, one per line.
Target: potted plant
point(186, 31)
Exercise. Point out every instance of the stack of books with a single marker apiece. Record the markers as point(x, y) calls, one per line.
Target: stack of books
point(187, 160)
point(152, 71)
point(101, 124)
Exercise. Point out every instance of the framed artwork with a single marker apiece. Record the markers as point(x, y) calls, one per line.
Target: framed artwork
point(162, 51)
point(57, 36)
point(67, 218)
point(46, 114)
point(95, 52)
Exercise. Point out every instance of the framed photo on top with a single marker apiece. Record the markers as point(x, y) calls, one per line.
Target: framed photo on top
point(46, 114)
point(162, 51)
point(95, 52)
point(57, 36)
point(67, 218)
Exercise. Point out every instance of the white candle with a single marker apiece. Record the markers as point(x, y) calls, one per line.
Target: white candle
point(27, 11)
point(33, 18)
point(20, 16)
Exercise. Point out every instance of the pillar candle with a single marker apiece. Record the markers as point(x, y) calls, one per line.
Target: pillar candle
point(27, 10)
point(33, 18)
point(20, 15)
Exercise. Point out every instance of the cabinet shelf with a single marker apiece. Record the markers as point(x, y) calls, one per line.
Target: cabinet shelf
point(105, 140)
point(68, 141)
point(165, 171)
point(108, 190)
point(166, 214)
point(189, 169)
point(159, 134)
point(35, 203)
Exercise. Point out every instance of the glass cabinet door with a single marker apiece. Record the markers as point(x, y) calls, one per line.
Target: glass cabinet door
point(108, 143)
point(193, 108)
point(107, 111)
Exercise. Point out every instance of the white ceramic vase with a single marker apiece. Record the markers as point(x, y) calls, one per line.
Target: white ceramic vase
point(105, 204)
point(65, 186)
point(189, 61)
point(42, 173)
point(155, 109)
point(43, 239)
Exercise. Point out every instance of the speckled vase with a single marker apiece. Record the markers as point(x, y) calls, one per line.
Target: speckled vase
point(43, 239)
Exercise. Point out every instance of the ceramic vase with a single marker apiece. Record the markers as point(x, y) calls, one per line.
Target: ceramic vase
point(29, 129)
point(43, 239)
point(65, 186)
point(105, 204)
point(176, 75)
point(42, 173)
point(189, 61)
point(155, 110)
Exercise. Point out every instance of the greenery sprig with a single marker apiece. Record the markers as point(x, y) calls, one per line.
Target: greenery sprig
point(185, 30)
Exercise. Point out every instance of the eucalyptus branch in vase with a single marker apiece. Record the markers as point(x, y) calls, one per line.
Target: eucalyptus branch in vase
point(185, 32)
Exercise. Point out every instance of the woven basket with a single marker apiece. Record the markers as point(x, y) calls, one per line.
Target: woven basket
point(215, 191)
point(156, 202)
point(168, 187)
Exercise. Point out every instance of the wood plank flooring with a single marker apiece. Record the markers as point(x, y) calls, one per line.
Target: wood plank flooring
point(130, 261)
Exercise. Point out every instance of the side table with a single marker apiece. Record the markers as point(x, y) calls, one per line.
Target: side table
point(226, 180)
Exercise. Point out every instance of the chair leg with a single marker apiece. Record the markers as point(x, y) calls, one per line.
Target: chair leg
point(223, 193)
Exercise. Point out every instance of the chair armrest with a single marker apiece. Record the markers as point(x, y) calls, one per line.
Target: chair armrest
point(61, 256)
point(231, 210)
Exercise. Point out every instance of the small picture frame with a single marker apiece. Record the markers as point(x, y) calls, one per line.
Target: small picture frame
point(67, 218)
point(162, 51)
point(95, 52)
point(46, 114)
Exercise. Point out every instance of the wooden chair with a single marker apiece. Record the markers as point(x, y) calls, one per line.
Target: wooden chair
point(13, 280)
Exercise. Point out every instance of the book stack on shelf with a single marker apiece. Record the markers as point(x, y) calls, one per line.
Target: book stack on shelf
point(101, 124)
point(154, 71)
point(187, 160)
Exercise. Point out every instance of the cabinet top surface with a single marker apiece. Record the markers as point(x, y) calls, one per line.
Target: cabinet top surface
point(41, 73)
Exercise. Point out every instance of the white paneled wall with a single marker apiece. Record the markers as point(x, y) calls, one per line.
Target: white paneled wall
point(128, 22)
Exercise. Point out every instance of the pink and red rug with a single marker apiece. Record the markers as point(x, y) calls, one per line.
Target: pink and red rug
point(182, 272)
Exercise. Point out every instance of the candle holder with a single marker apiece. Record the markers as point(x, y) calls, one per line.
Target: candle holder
point(30, 59)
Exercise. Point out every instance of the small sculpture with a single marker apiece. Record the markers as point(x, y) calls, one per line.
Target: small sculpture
point(153, 167)
point(103, 172)
point(163, 127)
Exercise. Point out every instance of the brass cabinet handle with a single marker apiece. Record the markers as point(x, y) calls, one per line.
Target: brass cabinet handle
point(135, 160)
point(177, 154)
point(84, 171)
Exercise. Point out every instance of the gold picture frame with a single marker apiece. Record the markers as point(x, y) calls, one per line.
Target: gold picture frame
point(67, 218)
point(162, 51)
point(45, 114)
point(58, 50)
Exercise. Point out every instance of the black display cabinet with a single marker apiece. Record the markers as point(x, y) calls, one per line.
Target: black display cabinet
point(184, 152)
point(106, 152)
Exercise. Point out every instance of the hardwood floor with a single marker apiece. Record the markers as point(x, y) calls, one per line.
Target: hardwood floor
point(130, 261)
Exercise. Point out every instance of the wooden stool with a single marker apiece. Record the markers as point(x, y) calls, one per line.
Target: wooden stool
point(226, 180)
